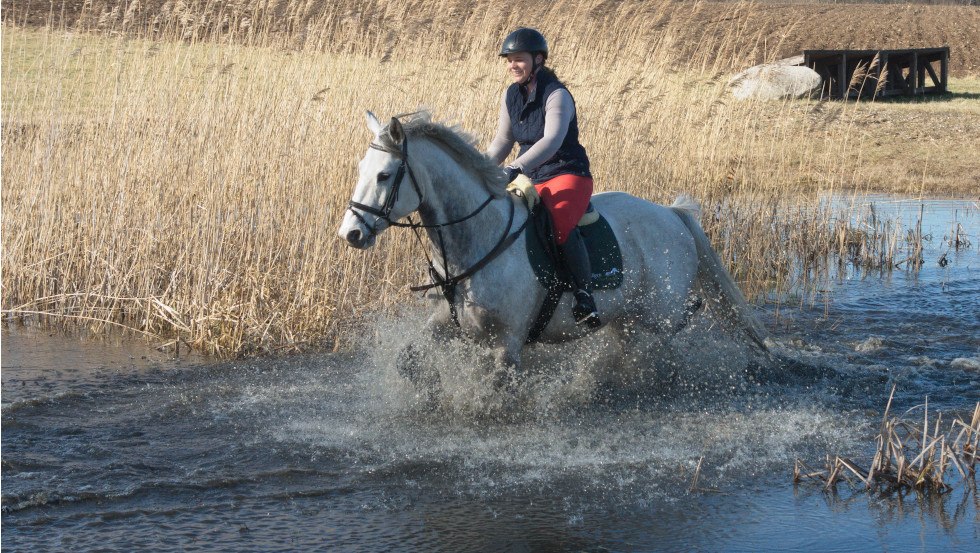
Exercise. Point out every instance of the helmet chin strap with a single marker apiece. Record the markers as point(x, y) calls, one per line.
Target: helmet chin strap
point(534, 70)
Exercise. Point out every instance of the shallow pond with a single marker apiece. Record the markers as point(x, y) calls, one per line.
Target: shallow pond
point(104, 449)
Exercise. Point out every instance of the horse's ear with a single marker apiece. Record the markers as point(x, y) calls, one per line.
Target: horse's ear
point(373, 124)
point(396, 131)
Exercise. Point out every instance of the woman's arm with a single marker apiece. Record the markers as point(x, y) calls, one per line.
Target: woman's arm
point(503, 142)
point(558, 112)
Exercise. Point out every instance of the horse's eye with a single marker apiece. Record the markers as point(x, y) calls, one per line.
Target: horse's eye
point(382, 176)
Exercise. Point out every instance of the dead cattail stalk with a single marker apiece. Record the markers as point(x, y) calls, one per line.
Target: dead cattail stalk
point(697, 474)
point(854, 468)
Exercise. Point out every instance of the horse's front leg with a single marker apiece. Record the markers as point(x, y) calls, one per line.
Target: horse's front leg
point(411, 365)
point(507, 364)
point(493, 331)
point(411, 362)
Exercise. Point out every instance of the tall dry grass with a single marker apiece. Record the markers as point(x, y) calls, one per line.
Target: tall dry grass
point(181, 173)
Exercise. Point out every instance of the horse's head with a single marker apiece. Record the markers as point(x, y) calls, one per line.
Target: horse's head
point(386, 187)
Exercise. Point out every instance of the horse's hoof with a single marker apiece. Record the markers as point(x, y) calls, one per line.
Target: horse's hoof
point(504, 380)
point(427, 402)
point(409, 363)
point(692, 305)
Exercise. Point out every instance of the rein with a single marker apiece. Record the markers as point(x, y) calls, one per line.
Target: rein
point(445, 282)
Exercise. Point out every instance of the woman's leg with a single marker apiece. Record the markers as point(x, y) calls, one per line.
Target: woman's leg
point(567, 197)
point(577, 261)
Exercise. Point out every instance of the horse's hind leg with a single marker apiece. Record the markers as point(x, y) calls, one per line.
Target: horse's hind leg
point(693, 304)
point(629, 366)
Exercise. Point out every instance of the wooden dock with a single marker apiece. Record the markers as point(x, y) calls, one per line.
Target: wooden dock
point(854, 74)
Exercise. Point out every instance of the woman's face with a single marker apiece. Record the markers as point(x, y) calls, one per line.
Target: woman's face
point(519, 66)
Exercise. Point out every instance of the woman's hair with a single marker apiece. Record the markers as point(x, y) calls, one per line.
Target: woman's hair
point(546, 69)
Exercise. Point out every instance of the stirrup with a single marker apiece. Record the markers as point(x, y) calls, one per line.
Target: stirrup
point(585, 311)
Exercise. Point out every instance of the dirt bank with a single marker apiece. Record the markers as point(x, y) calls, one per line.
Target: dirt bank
point(767, 28)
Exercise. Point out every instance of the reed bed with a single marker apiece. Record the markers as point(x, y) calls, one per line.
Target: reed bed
point(181, 173)
point(908, 455)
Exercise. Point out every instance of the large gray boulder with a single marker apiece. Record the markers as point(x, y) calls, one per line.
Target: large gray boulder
point(771, 81)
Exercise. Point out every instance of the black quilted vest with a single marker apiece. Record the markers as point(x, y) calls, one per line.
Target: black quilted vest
point(527, 125)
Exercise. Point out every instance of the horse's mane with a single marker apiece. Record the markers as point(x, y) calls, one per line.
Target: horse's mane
point(457, 143)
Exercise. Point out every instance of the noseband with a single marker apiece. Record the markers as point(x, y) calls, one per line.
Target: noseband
point(445, 282)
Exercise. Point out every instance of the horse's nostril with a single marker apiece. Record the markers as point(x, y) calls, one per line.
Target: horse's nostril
point(354, 236)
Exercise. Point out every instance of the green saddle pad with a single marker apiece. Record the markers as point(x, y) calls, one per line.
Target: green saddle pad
point(604, 253)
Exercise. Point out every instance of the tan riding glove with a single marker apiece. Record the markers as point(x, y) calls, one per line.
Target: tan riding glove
point(523, 187)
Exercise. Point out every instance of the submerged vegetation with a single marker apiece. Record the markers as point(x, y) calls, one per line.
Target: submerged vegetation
point(181, 173)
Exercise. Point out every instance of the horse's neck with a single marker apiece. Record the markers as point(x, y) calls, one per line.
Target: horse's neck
point(453, 193)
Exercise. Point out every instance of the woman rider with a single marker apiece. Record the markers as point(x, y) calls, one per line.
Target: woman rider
point(538, 113)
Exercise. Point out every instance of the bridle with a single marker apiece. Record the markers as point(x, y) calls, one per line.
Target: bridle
point(445, 282)
point(384, 212)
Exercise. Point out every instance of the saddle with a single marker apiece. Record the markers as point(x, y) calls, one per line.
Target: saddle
point(543, 254)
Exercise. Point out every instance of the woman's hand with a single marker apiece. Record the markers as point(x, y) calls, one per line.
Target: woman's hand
point(523, 187)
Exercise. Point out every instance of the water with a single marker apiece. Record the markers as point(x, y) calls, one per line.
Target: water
point(104, 450)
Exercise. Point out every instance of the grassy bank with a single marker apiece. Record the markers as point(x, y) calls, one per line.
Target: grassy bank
point(188, 184)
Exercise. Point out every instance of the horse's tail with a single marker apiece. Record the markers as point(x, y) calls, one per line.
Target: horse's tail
point(713, 275)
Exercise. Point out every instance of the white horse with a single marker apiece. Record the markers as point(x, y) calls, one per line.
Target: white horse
point(472, 225)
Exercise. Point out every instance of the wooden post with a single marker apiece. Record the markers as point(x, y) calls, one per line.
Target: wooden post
point(944, 70)
point(882, 68)
point(921, 74)
point(842, 80)
point(907, 80)
point(914, 73)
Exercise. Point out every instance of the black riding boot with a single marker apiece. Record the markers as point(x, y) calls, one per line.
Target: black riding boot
point(578, 264)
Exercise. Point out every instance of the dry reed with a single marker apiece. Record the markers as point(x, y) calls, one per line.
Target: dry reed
point(908, 456)
point(181, 173)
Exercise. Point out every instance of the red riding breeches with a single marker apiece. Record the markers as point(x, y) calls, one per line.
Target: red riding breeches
point(566, 197)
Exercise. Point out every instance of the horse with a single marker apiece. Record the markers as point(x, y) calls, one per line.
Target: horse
point(490, 293)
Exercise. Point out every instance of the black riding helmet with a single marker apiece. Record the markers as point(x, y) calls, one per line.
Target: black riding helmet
point(525, 40)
